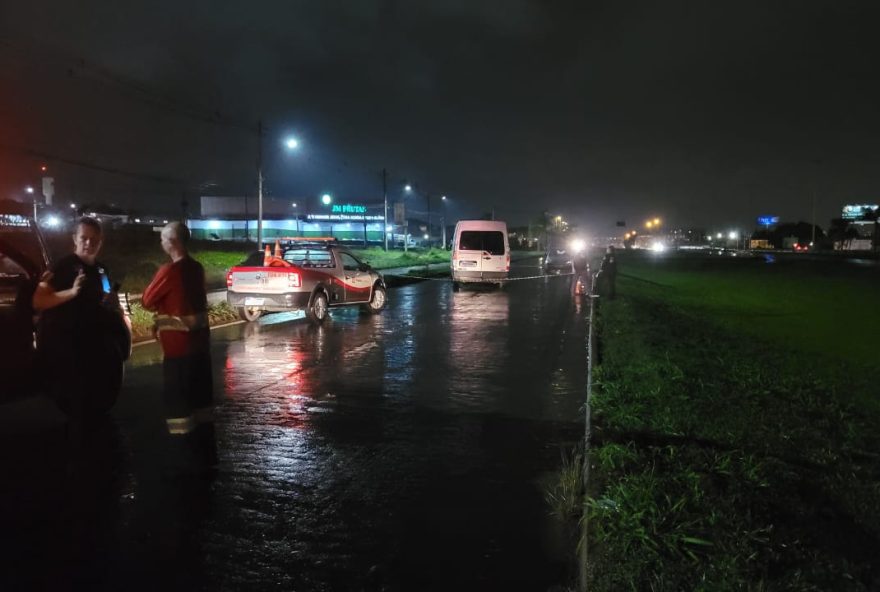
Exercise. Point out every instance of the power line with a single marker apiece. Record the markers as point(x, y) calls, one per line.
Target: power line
point(74, 66)
point(90, 165)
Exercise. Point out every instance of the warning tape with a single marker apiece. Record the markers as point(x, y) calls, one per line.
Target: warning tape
point(500, 281)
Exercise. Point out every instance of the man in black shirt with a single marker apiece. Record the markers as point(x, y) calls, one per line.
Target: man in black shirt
point(73, 299)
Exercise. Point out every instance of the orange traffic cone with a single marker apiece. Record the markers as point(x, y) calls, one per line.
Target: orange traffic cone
point(267, 255)
point(278, 249)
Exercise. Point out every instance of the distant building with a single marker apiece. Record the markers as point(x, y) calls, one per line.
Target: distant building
point(235, 218)
point(687, 237)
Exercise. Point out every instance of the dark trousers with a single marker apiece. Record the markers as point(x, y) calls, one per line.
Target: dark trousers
point(188, 386)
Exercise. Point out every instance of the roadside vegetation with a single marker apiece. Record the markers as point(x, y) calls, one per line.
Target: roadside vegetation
point(735, 419)
point(134, 256)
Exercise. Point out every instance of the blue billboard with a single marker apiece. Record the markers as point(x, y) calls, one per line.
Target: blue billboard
point(768, 220)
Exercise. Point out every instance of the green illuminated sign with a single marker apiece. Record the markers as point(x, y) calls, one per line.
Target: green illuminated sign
point(348, 209)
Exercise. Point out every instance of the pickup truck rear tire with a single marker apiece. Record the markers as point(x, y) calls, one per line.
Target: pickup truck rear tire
point(317, 310)
point(249, 313)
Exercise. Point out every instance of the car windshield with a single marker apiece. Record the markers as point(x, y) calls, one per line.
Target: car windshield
point(491, 241)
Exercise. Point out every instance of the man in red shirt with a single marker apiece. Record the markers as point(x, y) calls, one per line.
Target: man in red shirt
point(177, 296)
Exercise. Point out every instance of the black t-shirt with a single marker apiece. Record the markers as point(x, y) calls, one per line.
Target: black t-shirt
point(84, 307)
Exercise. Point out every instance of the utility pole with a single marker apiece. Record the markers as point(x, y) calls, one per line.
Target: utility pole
point(385, 198)
point(260, 184)
point(813, 223)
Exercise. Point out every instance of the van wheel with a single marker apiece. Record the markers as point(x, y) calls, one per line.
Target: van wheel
point(317, 310)
point(249, 313)
point(377, 301)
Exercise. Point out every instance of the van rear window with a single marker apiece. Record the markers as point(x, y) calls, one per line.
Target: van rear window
point(482, 240)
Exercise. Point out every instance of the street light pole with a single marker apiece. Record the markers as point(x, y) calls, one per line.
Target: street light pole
point(443, 220)
point(385, 198)
point(260, 184)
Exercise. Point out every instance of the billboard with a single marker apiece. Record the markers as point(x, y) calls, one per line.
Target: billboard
point(858, 211)
point(768, 220)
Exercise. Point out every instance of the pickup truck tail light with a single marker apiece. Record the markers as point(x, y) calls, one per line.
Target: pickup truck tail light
point(293, 280)
point(228, 279)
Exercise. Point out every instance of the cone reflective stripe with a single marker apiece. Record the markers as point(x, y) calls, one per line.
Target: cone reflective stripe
point(180, 425)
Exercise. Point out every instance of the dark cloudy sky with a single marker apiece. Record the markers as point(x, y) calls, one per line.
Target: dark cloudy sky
point(703, 113)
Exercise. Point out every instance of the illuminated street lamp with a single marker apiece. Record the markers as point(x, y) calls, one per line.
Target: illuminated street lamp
point(326, 199)
point(291, 144)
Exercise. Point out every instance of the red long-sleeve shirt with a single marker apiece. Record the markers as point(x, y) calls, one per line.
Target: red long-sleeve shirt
point(178, 290)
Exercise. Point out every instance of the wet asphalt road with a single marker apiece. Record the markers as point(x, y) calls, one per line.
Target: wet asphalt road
point(404, 451)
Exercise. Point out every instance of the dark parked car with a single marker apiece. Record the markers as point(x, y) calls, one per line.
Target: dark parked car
point(23, 259)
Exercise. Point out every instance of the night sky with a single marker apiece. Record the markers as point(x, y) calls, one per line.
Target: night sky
point(702, 113)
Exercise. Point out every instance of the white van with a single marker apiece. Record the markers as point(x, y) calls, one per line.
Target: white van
point(480, 252)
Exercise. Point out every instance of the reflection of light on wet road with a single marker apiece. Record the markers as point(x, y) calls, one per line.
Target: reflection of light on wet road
point(479, 345)
point(334, 440)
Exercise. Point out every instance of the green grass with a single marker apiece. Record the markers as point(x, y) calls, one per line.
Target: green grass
point(734, 448)
point(134, 256)
point(142, 320)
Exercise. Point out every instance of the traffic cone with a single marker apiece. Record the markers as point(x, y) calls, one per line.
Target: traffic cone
point(267, 256)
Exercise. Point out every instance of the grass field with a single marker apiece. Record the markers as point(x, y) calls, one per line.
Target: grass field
point(736, 419)
point(134, 256)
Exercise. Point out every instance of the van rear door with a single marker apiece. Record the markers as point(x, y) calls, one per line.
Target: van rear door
point(482, 250)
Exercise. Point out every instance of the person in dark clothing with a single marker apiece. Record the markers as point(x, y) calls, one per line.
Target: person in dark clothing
point(78, 310)
point(608, 274)
point(177, 294)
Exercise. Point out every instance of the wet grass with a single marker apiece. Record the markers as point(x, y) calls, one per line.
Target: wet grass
point(730, 455)
point(134, 256)
point(142, 320)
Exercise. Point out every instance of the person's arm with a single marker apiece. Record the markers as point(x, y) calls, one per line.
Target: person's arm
point(45, 296)
point(158, 289)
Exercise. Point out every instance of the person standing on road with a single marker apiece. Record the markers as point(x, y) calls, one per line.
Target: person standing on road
point(178, 296)
point(76, 303)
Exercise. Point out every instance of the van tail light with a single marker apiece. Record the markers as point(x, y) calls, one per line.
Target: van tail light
point(293, 280)
point(229, 279)
point(507, 262)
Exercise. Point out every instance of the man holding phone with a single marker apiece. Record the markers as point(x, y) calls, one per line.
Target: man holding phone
point(73, 299)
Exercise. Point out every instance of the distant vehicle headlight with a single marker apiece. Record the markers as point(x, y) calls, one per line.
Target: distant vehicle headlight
point(52, 222)
point(658, 247)
point(578, 245)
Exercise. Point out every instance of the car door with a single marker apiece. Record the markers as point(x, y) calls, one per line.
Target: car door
point(493, 257)
point(357, 279)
